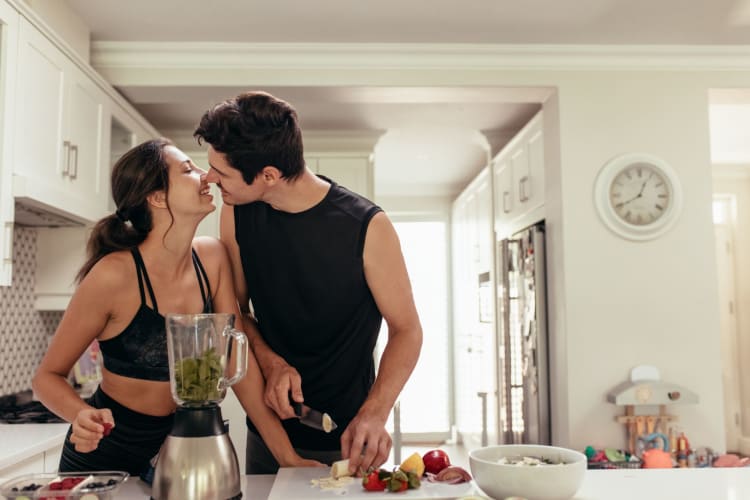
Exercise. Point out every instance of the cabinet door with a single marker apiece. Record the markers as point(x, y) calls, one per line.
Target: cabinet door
point(9, 20)
point(52, 458)
point(535, 189)
point(85, 130)
point(354, 173)
point(484, 225)
point(31, 465)
point(41, 152)
point(504, 198)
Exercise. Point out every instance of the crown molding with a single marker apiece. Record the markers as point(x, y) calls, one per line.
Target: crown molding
point(280, 56)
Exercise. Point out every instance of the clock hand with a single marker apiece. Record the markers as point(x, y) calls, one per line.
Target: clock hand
point(640, 193)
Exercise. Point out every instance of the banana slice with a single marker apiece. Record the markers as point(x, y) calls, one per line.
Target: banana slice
point(340, 469)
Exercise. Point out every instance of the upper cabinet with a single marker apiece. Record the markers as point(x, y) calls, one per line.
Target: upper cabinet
point(351, 170)
point(518, 175)
point(9, 20)
point(60, 165)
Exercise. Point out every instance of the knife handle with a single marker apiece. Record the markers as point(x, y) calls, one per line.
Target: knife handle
point(297, 407)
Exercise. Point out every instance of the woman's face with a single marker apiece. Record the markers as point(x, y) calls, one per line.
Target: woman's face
point(187, 193)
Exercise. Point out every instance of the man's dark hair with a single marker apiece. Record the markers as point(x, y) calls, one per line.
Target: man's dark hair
point(255, 130)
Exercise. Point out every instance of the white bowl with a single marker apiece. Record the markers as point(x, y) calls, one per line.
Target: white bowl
point(540, 482)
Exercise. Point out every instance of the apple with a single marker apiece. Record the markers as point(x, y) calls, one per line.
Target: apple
point(435, 461)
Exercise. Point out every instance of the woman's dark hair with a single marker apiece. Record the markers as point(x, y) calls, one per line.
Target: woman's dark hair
point(138, 173)
point(253, 130)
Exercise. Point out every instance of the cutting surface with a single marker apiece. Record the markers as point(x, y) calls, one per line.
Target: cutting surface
point(296, 482)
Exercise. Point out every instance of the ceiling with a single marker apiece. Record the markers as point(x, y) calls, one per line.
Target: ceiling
point(441, 134)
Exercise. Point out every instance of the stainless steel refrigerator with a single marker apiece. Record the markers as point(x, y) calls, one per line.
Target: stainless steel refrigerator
point(522, 342)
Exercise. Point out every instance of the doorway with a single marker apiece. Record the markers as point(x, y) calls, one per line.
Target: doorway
point(425, 401)
point(723, 216)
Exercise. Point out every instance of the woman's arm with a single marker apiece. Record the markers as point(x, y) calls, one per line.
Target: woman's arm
point(84, 319)
point(250, 388)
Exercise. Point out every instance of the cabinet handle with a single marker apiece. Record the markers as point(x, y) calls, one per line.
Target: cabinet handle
point(506, 202)
point(523, 195)
point(66, 157)
point(74, 149)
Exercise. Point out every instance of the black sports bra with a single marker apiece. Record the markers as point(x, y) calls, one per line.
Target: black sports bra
point(140, 350)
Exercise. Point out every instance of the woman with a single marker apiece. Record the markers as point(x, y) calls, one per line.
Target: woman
point(143, 262)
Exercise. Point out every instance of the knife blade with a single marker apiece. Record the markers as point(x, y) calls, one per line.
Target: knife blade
point(313, 418)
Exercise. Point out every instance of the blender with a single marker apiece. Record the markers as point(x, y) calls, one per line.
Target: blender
point(197, 460)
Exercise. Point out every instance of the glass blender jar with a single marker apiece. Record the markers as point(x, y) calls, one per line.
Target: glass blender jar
point(198, 460)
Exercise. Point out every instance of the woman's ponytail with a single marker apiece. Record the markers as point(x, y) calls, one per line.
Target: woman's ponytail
point(138, 173)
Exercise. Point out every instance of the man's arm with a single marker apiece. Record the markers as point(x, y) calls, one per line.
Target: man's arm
point(281, 378)
point(385, 271)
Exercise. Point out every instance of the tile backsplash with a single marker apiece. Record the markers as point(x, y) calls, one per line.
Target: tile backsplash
point(24, 331)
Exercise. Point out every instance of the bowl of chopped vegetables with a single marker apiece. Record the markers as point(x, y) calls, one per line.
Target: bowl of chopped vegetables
point(535, 472)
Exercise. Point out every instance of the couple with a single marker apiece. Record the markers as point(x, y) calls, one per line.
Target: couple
point(314, 267)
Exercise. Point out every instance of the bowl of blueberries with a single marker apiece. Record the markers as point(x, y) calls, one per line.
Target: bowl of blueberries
point(98, 485)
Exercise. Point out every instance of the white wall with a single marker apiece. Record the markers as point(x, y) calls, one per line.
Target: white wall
point(630, 303)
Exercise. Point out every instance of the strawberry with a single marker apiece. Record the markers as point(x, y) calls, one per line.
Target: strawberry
point(372, 482)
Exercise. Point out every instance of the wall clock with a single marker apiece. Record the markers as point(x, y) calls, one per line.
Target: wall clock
point(638, 196)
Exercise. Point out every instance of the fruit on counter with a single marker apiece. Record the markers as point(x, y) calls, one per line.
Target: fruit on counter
point(340, 469)
point(67, 483)
point(413, 463)
point(435, 461)
point(375, 480)
point(396, 481)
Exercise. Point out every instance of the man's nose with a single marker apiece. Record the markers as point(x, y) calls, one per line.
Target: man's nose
point(208, 176)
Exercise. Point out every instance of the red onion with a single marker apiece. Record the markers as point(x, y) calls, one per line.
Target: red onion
point(450, 475)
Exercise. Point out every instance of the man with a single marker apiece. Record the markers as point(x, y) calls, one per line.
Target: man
point(321, 267)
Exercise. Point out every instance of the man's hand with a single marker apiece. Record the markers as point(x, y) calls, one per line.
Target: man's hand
point(89, 427)
point(365, 442)
point(282, 383)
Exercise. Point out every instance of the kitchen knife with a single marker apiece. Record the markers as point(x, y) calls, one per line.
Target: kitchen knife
point(313, 418)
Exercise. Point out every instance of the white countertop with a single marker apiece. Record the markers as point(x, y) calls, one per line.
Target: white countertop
point(643, 484)
point(21, 441)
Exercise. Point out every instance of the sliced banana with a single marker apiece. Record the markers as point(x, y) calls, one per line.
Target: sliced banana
point(340, 469)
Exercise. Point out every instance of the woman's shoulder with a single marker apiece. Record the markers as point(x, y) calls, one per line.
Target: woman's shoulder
point(113, 270)
point(209, 248)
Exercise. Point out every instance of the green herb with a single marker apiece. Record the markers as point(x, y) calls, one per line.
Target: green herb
point(197, 379)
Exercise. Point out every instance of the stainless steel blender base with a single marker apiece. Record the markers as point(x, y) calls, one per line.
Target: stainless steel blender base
point(197, 468)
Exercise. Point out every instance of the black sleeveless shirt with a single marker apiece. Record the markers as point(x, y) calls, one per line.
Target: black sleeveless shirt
point(305, 278)
point(140, 350)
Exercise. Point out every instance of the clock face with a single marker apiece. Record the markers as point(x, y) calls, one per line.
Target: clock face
point(639, 194)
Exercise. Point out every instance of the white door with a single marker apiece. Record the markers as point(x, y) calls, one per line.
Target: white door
point(729, 341)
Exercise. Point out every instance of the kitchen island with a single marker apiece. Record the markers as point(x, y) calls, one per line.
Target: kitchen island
point(643, 484)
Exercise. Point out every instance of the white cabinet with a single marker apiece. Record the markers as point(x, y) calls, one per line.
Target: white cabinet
point(9, 20)
point(518, 171)
point(58, 159)
point(31, 465)
point(352, 170)
point(46, 461)
point(52, 458)
point(473, 312)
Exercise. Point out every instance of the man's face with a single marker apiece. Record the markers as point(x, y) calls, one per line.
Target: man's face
point(234, 189)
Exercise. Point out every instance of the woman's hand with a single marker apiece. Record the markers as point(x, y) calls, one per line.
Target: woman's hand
point(89, 427)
